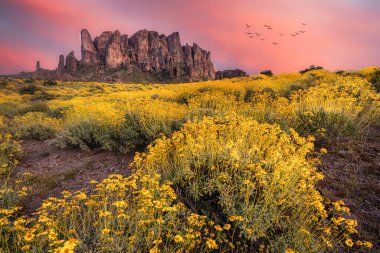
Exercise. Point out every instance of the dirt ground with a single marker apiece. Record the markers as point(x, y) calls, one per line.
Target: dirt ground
point(351, 169)
point(55, 169)
point(352, 173)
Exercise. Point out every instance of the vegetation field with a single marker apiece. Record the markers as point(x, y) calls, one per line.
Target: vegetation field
point(219, 166)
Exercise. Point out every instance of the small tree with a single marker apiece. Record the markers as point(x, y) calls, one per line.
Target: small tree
point(267, 72)
point(312, 67)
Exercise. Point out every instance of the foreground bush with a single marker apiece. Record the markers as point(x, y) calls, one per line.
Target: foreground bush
point(10, 192)
point(133, 214)
point(254, 175)
point(35, 125)
point(10, 152)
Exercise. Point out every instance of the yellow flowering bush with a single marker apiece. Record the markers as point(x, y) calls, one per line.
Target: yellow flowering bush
point(35, 125)
point(254, 175)
point(145, 120)
point(10, 152)
point(10, 193)
point(122, 214)
point(89, 125)
point(341, 109)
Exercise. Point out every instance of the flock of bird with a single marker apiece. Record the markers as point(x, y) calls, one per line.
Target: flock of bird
point(251, 34)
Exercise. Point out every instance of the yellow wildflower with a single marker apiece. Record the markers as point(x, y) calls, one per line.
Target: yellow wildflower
point(211, 244)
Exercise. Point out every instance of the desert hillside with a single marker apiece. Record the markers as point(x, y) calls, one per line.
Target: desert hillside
point(265, 163)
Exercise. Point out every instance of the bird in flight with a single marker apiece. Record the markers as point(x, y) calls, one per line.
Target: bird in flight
point(248, 26)
point(302, 31)
point(248, 33)
point(274, 43)
point(258, 34)
point(297, 33)
point(293, 35)
point(303, 23)
point(251, 36)
point(262, 39)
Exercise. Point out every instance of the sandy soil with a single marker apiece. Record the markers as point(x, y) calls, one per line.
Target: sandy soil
point(71, 169)
point(352, 173)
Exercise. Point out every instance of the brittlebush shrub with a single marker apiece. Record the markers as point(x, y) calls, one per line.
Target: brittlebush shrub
point(35, 125)
point(212, 103)
point(121, 127)
point(122, 214)
point(344, 109)
point(145, 120)
point(90, 125)
point(10, 153)
point(254, 175)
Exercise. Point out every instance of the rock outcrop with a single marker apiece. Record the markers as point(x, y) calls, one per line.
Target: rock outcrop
point(88, 50)
point(61, 64)
point(145, 55)
point(230, 73)
point(71, 65)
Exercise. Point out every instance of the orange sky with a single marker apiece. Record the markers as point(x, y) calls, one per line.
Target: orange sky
point(340, 34)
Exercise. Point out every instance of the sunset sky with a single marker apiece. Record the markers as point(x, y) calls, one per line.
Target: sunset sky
point(340, 34)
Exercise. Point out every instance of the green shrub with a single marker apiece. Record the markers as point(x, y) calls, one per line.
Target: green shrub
point(10, 152)
point(30, 89)
point(49, 83)
point(9, 198)
point(312, 67)
point(12, 109)
point(267, 72)
point(35, 125)
point(332, 123)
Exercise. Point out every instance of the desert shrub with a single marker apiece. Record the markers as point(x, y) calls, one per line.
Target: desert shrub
point(29, 81)
point(89, 125)
point(146, 120)
point(30, 89)
point(132, 214)
point(183, 98)
point(3, 123)
point(322, 122)
point(338, 109)
point(49, 83)
point(12, 109)
point(267, 72)
point(58, 113)
point(35, 125)
point(293, 87)
point(9, 197)
point(10, 152)
point(108, 126)
point(375, 80)
point(312, 67)
point(211, 103)
point(254, 175)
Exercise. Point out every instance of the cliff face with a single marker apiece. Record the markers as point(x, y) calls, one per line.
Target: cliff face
point(230, 73)
point(145, 55)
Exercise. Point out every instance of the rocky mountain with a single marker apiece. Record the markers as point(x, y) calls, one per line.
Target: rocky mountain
point(230, 73)
point(146, 56)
